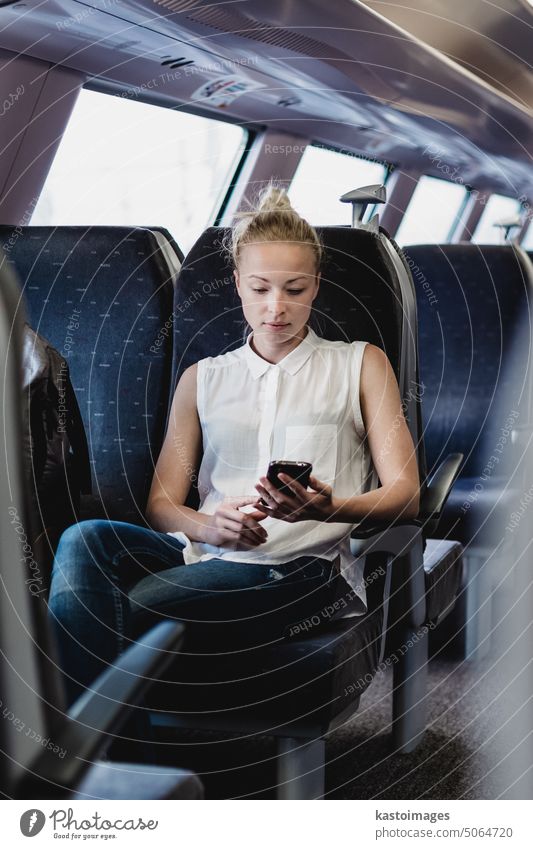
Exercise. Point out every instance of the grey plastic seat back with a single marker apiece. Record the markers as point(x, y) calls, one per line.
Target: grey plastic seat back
point(28, 679)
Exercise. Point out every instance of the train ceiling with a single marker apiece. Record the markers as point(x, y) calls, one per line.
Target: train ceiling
point(389, 79)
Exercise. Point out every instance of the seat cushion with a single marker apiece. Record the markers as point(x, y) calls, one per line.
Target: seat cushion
point(443, 568)
point(313, 678)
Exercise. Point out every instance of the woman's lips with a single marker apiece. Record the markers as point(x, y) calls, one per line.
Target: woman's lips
point(276, 326)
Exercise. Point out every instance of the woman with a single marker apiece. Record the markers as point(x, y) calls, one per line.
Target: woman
point(251, 561)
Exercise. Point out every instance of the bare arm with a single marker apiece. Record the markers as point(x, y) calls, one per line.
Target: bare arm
point(393, 455)
point(175, 471)
point(391, 446)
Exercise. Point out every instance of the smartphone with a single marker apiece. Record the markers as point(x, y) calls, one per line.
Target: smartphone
point(299, 470)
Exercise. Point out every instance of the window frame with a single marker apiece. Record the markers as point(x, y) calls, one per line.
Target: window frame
point(452, 230)
point(492, 194)
point(528, 228)
point(252, 130)
point(344, 151)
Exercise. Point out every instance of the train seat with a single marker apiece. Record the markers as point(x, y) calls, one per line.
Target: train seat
point(474, 302)
point(307, 685)
point(60, 759)
point(317, 676)
point(310, 679)
point(103, 297)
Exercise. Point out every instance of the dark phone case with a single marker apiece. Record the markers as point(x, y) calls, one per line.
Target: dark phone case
point(300, 471)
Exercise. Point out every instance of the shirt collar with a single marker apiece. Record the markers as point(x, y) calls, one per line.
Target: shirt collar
point(291, 363)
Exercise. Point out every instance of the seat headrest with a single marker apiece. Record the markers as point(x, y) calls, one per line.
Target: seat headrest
point(359, 296)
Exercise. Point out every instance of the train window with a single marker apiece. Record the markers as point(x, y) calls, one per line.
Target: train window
point(433, 212)
point(323, 175)
point(125, 162)
point(498, 208)
point(527, 241)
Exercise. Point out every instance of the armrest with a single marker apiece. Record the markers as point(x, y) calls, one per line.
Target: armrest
point(402, 540)
point(437, 491)
point(103, 708)
point(395, 538)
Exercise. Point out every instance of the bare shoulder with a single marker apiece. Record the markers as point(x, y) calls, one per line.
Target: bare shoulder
point(186, 388)
point(374, 357)
point(188, 378)
point(376, 366)
point(377, 376)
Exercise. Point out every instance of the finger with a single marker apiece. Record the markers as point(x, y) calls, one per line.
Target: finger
point(258, 532)
point(269, 488)
point(277, 509)
point(295, 487)
point(227, 511)
point(236, 532)
point(238, 501)
point(274, 496)
point(259, 514)
point(268, 497)
point(317, 485)
point(227, 523)
point(262, 507)
point(249, 520)
point(252, 531)
point(281, 513)
point(252, 537)
point(236, 543)
point(232, 519)
point(269, 511)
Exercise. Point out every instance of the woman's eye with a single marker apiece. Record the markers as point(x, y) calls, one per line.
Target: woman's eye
point(259, 291)
point(295, 291)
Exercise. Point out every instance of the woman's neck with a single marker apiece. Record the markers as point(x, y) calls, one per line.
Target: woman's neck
point(272, 352)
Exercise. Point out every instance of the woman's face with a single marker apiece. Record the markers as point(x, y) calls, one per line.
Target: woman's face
point(277, 283)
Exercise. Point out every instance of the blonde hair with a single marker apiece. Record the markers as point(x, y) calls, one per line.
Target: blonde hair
point(273, 220)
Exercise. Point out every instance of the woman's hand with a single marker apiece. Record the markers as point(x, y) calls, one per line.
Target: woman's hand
point(298, 506)
point(228, 527)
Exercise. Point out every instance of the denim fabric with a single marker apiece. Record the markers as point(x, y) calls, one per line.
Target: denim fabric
point(112, 581)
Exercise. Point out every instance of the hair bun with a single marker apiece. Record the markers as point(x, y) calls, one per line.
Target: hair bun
point(274, 199)
point(272, 219)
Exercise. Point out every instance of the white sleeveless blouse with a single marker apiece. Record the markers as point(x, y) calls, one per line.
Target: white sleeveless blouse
point(306, 407)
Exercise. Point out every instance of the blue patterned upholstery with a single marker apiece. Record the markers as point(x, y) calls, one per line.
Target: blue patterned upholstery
point(474, 303)
point(103, 297)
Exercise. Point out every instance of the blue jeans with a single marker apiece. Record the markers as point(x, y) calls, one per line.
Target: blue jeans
point(111, 581)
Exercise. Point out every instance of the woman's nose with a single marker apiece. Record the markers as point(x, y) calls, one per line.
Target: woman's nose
point(276, 303)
